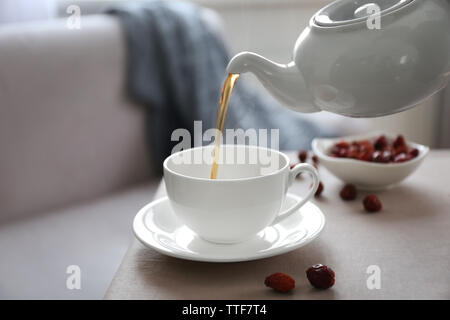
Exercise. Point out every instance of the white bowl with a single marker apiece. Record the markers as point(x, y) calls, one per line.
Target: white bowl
point(366, 175)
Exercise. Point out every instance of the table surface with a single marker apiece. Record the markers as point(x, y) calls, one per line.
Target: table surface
point(409, 240)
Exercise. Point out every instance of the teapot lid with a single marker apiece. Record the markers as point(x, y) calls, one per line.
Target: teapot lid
point(343, 12)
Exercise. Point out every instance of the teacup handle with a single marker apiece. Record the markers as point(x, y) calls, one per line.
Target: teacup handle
point(293, 173)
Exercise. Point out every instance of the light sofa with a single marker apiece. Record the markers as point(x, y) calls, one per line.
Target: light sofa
point(74, 165)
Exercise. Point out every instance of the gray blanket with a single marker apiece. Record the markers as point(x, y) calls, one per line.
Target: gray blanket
point(176, 67)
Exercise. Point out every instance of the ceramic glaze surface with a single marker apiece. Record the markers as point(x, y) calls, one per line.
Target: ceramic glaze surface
point(343, 66)
point(243, 200)
point(157, 227)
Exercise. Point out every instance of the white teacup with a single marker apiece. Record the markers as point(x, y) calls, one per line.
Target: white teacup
point(245, 198)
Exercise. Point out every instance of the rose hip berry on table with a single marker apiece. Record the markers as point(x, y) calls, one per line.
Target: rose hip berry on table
point(372, 203)
point(302, 155)
point(315, 159)
point(348, 192)
point(320, 276)
point(380, 150)
point(280, 282)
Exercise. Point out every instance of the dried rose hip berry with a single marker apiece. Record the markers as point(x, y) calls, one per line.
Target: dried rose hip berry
point(320, 276)
point(353, 152)
point(366, 145)
point(382, 156)
point(315, 159)
point(319, 189)
point(402, 157)
point(280, 282)
point(302, 155)
point(399, 142)
point(342, 153)
point(400, 150)
point(414, 152)
point(380, 143)
point(348, 192)
point(343, 145)
point(400, 145)
point(372, 203)
point(366, 155)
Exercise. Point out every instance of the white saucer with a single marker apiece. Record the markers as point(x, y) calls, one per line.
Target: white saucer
point(157, 227)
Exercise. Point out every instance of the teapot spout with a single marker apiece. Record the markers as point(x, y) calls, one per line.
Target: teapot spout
point(283, 81)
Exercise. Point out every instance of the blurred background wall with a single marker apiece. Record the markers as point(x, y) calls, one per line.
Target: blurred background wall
point(269, 27)
point(26, 10)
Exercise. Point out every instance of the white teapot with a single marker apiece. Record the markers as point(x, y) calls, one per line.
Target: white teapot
point(348, 62)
